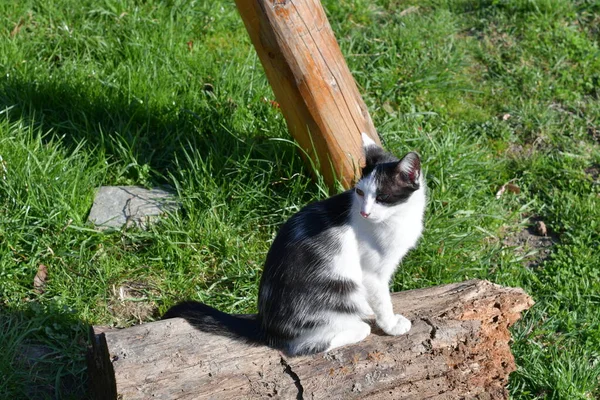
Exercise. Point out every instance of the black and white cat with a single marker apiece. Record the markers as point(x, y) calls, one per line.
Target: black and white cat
point(330, 265)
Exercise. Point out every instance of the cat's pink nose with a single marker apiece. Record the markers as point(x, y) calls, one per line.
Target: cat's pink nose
point(364, 214)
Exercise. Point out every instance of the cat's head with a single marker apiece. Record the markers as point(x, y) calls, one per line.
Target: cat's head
point(386, 181)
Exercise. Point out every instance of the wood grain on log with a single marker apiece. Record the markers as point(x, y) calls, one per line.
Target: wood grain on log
point(458, 347)
point(312, 83)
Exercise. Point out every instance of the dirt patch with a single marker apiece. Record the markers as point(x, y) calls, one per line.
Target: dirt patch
point(594, 172)
point(131, 302)
point(530, 146)
point(516, 150)
point(534, 243)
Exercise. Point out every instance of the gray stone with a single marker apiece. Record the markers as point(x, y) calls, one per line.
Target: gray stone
point(118, 206)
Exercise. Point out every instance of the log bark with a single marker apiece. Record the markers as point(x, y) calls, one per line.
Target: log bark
point(312, 83)
point(458, 347)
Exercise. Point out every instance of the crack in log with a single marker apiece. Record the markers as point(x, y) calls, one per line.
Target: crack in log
point(288, 370)
point(433, 331)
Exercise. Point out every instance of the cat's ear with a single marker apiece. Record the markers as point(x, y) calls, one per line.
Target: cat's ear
point(409, 169)
point(373, 152)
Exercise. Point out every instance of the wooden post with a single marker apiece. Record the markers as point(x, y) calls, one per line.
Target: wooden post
point(312, 83)
point(458, 347)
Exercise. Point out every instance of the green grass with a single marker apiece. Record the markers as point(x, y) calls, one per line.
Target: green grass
point(171, 92)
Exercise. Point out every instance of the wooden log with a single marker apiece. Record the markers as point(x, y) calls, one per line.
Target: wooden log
point(312, 83)
point(458, 347)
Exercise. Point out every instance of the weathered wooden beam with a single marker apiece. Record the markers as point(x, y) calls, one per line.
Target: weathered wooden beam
point(312, 83)
point(458, 347)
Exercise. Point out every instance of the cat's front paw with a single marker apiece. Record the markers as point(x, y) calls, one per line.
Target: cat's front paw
point(397, 325)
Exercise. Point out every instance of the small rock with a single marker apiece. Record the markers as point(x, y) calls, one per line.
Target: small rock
point(117, 206)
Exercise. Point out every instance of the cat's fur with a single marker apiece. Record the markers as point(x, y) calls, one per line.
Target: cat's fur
point(330, 265)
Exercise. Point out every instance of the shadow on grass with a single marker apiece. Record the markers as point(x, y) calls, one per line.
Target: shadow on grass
point(43, 353)
point(138, 134)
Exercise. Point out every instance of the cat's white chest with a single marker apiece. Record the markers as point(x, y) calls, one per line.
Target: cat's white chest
point(382, 247)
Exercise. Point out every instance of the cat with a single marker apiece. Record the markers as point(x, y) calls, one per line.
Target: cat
point(330, 265)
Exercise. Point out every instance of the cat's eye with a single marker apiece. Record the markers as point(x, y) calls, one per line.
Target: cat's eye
point(359, 192)
point(382, 198)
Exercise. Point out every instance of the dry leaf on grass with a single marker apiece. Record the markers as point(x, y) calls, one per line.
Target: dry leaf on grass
point(511, 187)
point(388, 107)
point(17, 28)
point(540, 228)
point(39, 281)
point(409, 10)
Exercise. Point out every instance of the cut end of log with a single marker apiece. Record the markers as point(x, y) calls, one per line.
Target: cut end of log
point(458, 347)
point(497, 315)
point(102, 381)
